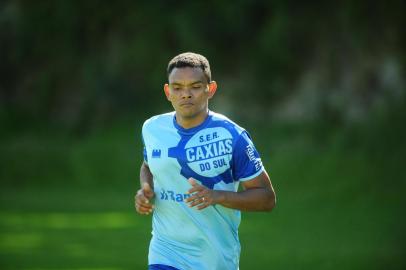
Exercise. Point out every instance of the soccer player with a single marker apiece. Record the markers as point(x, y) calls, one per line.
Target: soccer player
point(194, 160)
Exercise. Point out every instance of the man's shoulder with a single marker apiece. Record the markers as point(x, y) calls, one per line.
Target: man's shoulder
point(226, 122)
point(160, 119)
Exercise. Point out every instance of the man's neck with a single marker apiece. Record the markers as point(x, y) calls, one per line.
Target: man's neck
point(191, 122)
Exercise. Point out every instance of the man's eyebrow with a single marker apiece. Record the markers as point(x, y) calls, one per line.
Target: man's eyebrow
point(197, 82)
point(178, 83)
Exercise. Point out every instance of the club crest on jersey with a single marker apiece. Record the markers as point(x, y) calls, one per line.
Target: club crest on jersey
point(213, 155)
point(208, 152)
point(206, 155)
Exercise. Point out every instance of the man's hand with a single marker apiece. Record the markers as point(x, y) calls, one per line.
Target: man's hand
point(143, 198)
point(202, 196)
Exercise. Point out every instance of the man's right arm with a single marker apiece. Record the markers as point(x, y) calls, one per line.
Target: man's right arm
point(144, 195)
point(146, 175)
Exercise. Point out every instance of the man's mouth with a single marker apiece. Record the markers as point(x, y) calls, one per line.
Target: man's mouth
point(186, 104)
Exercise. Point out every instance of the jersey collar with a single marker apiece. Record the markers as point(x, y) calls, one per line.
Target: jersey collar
point(193, 130)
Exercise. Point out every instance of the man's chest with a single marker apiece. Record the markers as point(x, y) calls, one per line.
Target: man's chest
point(205, 155)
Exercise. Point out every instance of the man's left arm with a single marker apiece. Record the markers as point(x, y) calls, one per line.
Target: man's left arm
point(258, 195)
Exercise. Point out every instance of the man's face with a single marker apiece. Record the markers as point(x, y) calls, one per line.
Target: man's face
point(189, 91)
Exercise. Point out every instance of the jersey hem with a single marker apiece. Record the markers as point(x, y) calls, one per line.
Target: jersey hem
point(252, 176)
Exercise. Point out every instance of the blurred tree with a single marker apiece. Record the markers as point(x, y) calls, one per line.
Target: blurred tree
point(79, 64)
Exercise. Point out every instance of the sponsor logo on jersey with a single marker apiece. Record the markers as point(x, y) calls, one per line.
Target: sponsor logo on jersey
point(170, 195)
point(250, 151)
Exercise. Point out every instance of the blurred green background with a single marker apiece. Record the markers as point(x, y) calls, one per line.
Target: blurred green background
point(321, 89)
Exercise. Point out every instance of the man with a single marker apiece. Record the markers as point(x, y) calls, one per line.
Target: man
point(194, 160)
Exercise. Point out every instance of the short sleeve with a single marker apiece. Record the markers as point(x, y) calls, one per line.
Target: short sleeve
point(246, 161)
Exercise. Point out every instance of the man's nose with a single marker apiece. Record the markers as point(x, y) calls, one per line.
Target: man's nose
point(186, 93)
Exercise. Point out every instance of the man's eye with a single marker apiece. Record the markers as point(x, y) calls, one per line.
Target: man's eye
point(196, 86)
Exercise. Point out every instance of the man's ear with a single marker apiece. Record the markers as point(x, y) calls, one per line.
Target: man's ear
point(212, 88)
point(166, 90)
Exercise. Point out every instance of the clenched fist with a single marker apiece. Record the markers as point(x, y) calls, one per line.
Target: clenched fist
point(143, 199)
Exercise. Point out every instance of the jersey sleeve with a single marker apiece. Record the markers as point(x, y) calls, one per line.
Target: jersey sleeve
point(246, 161)
point(144, 150)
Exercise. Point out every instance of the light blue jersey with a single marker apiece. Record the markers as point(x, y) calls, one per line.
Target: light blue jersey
point(218, 153)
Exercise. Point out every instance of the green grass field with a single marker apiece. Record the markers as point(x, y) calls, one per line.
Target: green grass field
point(68, 203)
